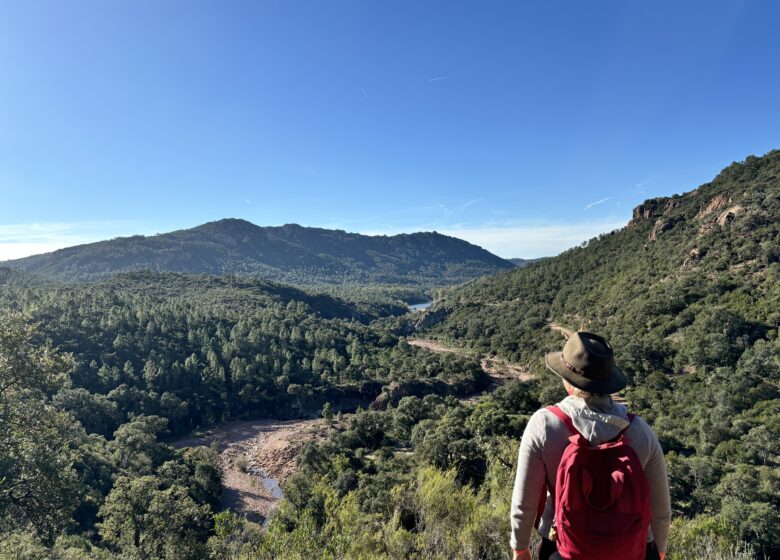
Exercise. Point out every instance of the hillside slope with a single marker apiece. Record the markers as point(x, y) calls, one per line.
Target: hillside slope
point(689, 295)
point(289, 253)
point(681, 262)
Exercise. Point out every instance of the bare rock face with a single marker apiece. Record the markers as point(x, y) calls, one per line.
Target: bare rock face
point(652, 208)
point(659, 227)
point(716, 213)
point(671, 204)
point(647, 210)
point(723, 219)
point(713, 206)
point(728, 216)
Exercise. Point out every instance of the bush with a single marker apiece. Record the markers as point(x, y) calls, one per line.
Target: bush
point(706, 537)
point(242, 463)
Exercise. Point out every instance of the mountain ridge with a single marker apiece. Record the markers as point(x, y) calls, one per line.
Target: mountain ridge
point(288, 253)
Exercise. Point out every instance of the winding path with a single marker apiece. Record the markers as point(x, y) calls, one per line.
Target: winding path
point(499, 370)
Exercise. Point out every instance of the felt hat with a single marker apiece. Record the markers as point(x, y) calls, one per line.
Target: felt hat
point(588, 363)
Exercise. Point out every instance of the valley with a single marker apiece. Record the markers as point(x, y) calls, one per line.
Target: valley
point(125, 398)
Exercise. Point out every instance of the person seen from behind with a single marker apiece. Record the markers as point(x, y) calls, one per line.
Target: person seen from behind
point(591, 477)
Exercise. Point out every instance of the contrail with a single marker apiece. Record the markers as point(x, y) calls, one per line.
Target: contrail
point(602, 201)
point(438, 78)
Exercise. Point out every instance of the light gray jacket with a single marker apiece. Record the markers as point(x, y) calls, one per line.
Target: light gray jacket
point(599, 419)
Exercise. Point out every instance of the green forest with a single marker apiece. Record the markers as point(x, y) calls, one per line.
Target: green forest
point(96, 378)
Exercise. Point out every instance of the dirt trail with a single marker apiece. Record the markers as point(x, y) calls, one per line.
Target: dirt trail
point(499, 370)
point(256, 458)
point(563, 330)
point(435, 346)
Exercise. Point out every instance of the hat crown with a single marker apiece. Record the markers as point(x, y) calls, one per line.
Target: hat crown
point(589, 355)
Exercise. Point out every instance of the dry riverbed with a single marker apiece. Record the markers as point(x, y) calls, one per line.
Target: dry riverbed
point(256, 457)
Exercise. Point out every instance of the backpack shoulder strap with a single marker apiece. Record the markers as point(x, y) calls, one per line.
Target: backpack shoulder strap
point(563, 417)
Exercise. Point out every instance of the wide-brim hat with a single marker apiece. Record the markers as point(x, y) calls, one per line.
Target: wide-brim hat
point(588, 363)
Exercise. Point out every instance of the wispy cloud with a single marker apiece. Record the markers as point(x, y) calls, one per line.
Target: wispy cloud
point(602, 201)
point(471, 203)
point(439, 78)
point(22, 240)
point(363, 91)
point(443, 208)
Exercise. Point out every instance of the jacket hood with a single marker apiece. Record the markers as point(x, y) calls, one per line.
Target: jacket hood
point(598, 419)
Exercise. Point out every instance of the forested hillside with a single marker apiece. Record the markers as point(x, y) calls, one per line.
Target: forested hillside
point(198, 349)
point(681, 266)
point(289, 253)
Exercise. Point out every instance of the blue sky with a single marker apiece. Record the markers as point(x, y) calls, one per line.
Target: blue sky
point(525, 127)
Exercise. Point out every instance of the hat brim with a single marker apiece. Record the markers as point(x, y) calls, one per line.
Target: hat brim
point(612, 384)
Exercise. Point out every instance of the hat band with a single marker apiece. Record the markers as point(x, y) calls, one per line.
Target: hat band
point(572, 368)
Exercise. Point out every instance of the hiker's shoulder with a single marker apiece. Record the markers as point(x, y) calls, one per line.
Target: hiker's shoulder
point(544, 417)
point(637, 422)
point(640, 429)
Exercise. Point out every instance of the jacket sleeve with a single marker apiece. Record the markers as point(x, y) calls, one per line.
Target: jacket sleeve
point(660, 501)
point(529, 482)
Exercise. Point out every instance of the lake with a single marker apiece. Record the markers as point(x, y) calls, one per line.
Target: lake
point(420, 306)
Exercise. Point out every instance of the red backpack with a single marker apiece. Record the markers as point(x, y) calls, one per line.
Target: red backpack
point(602, 501)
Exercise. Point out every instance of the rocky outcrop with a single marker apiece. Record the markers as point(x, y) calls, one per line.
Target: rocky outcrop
point(728, 216)
point(648, 209)
point(430, 318)
point(659, 227)
point(424, 320)
point(653, 208)
point(713, 206)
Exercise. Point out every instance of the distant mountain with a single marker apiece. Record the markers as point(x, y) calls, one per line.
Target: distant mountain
point(289, 253)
